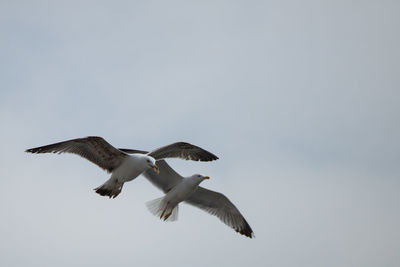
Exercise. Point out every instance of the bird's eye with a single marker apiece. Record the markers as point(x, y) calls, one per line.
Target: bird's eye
point(148, 161)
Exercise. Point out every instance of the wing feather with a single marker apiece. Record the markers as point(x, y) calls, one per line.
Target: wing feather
point(93, 148)
point(219, 205)
point(133, 151)
point(166, 179)
point(184, 151)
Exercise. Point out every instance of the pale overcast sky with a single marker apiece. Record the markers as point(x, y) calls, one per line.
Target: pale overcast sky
point(299, 99)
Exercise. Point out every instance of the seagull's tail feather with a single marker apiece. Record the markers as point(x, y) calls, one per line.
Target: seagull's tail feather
point(161, 209)
point(110, 188)
point(156, 206)
point(174, 214)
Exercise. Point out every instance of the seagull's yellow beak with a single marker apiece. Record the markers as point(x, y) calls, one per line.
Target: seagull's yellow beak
point(206, 177)
point(155, 168)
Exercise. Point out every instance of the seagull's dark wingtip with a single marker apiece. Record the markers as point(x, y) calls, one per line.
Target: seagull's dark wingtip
point(211, 157)
point(29, 150)
point(246, 230)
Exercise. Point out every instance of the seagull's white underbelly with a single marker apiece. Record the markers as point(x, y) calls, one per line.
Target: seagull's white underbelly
point(128, 170)
point(181, 191)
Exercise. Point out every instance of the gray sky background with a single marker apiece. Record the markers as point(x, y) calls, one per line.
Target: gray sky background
point(299, 99)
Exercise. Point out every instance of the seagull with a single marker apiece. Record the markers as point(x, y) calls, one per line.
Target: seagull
point(123, 167)
point(167, 205)
point(179, 189)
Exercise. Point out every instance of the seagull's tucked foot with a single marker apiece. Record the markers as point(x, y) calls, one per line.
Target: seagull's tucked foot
point(159, 208)
point(166, 216)
point(162, 214)
point(172, 215)
point(111, 188)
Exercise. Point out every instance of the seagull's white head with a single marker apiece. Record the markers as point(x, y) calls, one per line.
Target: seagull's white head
point(199, 178)
point(151, 163)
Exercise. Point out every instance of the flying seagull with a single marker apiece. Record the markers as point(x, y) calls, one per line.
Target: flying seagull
point(123, 167)
point(168, 205)
point(178, 189)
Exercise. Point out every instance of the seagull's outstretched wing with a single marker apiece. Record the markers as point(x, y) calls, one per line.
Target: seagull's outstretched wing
point(184, 151)
point(133, 151)
point(219, 205)
point(166, 179)
point(92, 148)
